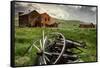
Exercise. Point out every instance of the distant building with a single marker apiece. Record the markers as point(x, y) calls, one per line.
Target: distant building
point(34, 19)
point(83, 25)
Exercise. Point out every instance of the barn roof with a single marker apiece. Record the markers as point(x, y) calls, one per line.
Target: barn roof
point(44, 14)
point(27, 13)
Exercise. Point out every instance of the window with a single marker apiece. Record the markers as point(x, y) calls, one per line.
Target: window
point(48, 19)
point(45, 19)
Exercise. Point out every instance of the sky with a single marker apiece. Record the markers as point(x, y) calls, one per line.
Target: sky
point(86, 14)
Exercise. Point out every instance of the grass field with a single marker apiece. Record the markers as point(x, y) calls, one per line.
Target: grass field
point(24, 37)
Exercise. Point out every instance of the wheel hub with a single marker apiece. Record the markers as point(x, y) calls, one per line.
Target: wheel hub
point(40, 53)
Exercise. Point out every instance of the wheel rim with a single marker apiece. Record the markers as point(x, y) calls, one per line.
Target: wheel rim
point(43, 53)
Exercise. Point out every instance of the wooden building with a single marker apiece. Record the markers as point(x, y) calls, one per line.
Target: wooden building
point(89, 25)
point(34, 19)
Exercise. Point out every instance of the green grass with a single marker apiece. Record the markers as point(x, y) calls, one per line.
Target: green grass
point(24, 37)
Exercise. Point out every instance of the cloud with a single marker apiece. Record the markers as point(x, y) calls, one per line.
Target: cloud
point(53, 10)
point(66, 12)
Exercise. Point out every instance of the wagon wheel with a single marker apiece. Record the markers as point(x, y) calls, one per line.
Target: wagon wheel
point(50, 49)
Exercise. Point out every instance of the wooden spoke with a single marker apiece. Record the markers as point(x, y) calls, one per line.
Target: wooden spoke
point(36, 47)
point(47, 58)
point(40, 61)
point(43, 39)
point(30, 49)
point(41, 44)
point(44, 43)
point(44, 60)
point(47, 53)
